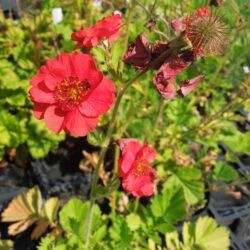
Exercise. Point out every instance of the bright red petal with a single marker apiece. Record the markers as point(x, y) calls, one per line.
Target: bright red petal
point(100, 99)
point(128, 157)
point(39, 109)
point(54, 118)
point(42, 94)
point(78, 124)
point(85, 68)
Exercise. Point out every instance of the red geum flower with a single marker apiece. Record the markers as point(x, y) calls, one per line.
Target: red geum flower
point(134, 169)
point(70, 93)
point(106, 29)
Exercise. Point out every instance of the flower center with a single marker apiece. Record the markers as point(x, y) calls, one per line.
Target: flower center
point(141, 167)
point(70, 92)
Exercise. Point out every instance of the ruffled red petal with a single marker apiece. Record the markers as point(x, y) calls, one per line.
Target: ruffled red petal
point(78, 124)
point(100, 99)
point(54, 118)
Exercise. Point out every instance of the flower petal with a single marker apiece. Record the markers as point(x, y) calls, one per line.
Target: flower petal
point(39, 109)
point(128, 157)
point(42, 94)
point(100, 99)
point(188, 85)
point(85, 68)
point(54, 118)
point(78, 124)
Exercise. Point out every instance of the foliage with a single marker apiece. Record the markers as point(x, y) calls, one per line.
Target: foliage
point(27, 209)
point(187, 133)
point(204, 234)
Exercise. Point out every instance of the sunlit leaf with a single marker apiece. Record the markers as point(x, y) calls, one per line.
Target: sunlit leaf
point(209, 236)
point(189, 179)
point(27, 209)
point(50, 207)
point(205, 234)
point(6, 245)
point(133, 220)
point(224, 172)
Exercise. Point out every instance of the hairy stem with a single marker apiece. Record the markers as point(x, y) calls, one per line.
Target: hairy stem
point(175, 46)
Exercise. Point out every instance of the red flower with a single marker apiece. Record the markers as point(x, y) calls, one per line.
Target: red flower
point(69, 93)
point(137, 175)
point(107, 28)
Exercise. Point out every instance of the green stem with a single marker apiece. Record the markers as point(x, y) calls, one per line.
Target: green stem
point(158, 117)
point(130, 10)
point(175, 46)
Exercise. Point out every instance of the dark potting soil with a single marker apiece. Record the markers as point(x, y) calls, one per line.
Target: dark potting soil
point(58, 174)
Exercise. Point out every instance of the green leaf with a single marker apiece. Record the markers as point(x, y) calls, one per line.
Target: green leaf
point(172, 240)
point(47, 243)
point(133, 220)
point(209, 236)
point(41, 140)
point(205, 235)
point(74, 214)
point(119, 233)
point(224, 172)
point(170, 207)
point(96, 137)
point(12, 129)
point(6, 245)
point(189, 180)
point(112, 185)
point(237, 141)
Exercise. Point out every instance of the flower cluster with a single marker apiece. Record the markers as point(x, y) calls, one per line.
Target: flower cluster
point(70, 93)
point(106, 29)
point(134, 169)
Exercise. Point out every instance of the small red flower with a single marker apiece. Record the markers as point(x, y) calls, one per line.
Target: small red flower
point(107, 28)
point(69, 93)
point(134, 169)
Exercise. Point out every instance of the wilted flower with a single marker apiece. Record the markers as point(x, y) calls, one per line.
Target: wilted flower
point(69, 93)
point(106, 29)
point(165, 77)
point(188, 85)
point(138, 53)
point(134, 169)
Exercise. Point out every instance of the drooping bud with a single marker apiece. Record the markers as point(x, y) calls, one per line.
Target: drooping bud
point(206, 32)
